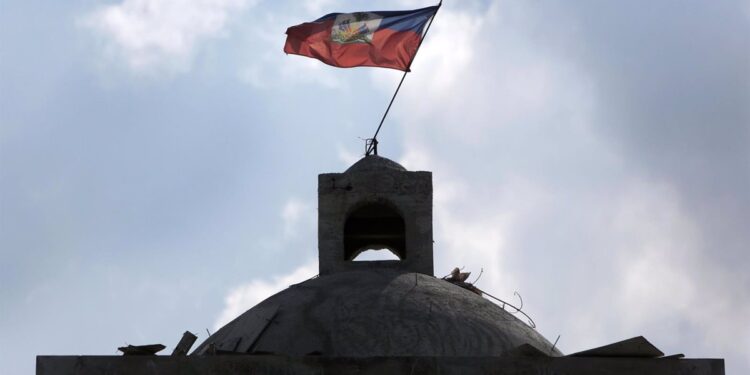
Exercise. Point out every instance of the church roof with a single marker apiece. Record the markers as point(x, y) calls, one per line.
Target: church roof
point(372, 313)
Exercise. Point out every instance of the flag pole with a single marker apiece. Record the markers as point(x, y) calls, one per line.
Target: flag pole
point(372, 145)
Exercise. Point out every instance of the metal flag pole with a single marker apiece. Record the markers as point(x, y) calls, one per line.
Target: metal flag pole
point(372, 143)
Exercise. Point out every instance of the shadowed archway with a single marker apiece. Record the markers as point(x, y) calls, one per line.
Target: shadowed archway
point(374, 226)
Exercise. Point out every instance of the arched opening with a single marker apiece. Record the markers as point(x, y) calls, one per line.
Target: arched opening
point(375, 226)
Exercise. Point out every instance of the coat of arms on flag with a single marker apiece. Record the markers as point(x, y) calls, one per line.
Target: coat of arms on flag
point(355, 27)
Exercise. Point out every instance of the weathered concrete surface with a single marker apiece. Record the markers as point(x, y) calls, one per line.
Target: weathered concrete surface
point(376, 313)
point(375, 180)
point(277, 365)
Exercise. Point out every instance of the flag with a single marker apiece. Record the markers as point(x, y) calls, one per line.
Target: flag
point(384, 39)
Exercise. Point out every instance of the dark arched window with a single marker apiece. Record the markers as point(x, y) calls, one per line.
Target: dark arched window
point(373, 227)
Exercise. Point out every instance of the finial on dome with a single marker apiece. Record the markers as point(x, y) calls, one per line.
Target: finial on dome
point(371, 146)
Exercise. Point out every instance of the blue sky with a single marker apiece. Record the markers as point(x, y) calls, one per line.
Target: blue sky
point(158, 164)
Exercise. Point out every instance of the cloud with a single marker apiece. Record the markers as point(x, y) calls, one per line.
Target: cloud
point(273, 69)
point(161, 34)
point(298, 219)
point(267, 67)
point(668, 279)
point(320, 6)
point(591, 167)
point(294, 214)
point(346, 156)
point(243, 297)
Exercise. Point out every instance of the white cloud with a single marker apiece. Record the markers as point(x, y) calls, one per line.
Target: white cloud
point(243, 297)
point(666, 278)
point(265, 66)
point(375, 255)
point(274, 69)
point(158, 34)
point(321, 6)
point(528, 187)
point(347, 156)
point(298, 218)
point(294, 214)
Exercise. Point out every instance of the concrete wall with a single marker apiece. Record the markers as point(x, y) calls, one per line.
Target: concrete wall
point(272, 365)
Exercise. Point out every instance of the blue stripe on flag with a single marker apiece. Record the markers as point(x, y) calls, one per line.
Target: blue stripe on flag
point(403, 20)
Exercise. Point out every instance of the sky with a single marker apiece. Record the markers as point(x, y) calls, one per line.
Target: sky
point(159, 161)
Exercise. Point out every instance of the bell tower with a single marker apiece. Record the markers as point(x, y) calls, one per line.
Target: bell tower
point(375, 204)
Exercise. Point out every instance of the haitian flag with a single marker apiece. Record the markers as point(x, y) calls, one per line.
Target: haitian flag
point(383, 39)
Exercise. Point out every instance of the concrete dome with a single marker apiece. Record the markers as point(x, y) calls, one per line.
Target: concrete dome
point(372, 163)
point(372, 313)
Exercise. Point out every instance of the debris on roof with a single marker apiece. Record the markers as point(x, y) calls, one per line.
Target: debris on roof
point(636, 347)
point(243, 339)
point(141, 349)
point(186, 342)
point(457, 277)
point(674, 356)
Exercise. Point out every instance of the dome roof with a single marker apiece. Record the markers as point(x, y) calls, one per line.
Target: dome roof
point(372, 163)
point(376, 312)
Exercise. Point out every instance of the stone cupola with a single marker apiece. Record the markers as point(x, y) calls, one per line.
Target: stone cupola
point(375, 204)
